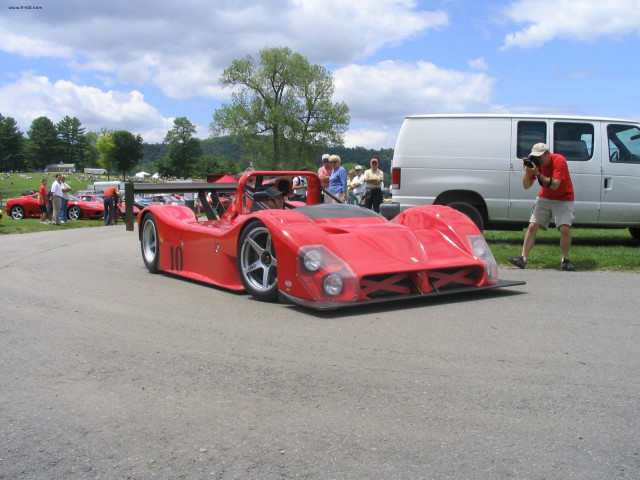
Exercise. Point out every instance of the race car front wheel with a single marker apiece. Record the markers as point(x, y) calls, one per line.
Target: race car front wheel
point(257, 264)
point(149, 243)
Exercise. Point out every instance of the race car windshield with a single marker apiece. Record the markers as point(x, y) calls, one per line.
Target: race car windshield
point(335, 211)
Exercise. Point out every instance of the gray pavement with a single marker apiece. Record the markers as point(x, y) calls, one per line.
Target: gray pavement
point(110, 372)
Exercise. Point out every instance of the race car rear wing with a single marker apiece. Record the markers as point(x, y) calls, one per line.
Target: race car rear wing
point(213, 211)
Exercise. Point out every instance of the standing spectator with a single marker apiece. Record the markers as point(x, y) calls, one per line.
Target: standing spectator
point(373, 179)
point(111, 199)
point(300, 187)
point(324, 172)
point(357, 184)
point(338, 179)
point(43, 202)
point(66, 195)
point(56, 196)
point(554, 200)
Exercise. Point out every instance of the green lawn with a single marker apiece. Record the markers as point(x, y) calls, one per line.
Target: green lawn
point(591, 249)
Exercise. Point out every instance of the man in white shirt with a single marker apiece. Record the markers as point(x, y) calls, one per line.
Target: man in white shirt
point(358, 183)
point(374, 179)
point(56, 193)
point(66, 196)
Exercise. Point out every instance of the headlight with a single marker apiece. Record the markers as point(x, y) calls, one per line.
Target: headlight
point(332, 285)
point(479, 246)
point(483, 252)
point(312, 260)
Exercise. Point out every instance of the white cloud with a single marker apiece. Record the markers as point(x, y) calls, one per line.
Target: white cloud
point(371, 138)
point(584, 21)
point(33, 96)
point(183, 48)
point(388, 91)
point(478, 64)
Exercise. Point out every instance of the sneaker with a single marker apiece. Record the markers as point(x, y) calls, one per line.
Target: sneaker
point(567, 266)
point(518, 262)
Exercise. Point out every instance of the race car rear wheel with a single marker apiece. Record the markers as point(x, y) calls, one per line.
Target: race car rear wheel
point(74, 213)
point(257, 264)
point(149, 243)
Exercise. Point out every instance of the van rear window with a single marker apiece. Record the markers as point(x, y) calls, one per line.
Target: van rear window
point(530, 133)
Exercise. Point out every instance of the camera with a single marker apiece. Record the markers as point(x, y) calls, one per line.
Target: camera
point(531, 161)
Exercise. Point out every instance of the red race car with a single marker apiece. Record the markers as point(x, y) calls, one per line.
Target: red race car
point(318, 255)
point(27, 207)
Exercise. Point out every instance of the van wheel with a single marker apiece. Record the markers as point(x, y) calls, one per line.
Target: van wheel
point(635, 233)
point(470, 211)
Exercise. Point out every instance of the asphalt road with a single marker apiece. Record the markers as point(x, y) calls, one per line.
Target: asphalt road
point(110, 372)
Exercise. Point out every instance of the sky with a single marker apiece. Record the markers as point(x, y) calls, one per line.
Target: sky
point(138, 65)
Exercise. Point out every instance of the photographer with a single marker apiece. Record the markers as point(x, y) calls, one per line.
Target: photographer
point(555, 199)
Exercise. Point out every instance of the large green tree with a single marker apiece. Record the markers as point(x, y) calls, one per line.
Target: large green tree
point(128, 151)
point(106, 146)
point(11, 145)
point(184, 149)
point(120, 151)
point(44, 144)
point(279, 95)
point(73, 141)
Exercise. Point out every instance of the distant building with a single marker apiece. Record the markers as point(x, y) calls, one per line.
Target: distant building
point(60, 168)
point(95, 171)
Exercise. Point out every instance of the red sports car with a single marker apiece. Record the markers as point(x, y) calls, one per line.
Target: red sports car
point(318, 255)
point(100, 199)
point(27, 206)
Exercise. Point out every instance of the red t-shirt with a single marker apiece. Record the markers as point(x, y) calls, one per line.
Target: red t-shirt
point(110, 192)
point(42, 199)
point(559, 169)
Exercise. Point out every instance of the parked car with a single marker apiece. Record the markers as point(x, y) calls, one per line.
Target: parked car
point(27, 206)
point(315, 254)
point(92, 197)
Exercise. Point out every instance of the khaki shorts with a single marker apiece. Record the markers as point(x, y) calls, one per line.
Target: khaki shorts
point(544, 209)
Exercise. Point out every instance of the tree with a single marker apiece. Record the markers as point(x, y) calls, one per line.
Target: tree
point(44, 144)
point(11, 144)
point(73, 141)
point(184, 149)
point(283, 97)
point(128, 150)
point(106, 146)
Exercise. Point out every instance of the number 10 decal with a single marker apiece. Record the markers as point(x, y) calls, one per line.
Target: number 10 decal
point(177, 259)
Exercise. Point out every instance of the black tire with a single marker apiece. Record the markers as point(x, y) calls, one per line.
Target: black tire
point(635, 233)
point(257, 264)
point(149, 244)
point(470, 211)
point(74, 213)
point(17, 212)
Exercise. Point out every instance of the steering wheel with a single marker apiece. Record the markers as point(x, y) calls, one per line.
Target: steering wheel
point(614, 156)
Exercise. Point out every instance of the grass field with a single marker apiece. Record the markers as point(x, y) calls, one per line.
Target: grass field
point(592, 249)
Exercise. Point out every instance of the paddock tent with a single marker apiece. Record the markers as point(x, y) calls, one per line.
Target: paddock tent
point(142, 175)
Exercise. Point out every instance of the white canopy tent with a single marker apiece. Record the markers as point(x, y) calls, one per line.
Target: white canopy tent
point(142, 175)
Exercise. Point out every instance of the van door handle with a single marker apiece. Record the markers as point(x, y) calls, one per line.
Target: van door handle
point(607, 183)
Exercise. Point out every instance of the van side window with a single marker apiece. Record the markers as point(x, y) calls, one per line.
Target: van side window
point(530, 133)
point(574, 141)
point(624, 143)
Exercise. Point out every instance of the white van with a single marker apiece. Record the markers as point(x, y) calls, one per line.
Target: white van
point(474, 164)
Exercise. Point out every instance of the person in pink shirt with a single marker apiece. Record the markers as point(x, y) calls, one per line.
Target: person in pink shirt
point(324, 172)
